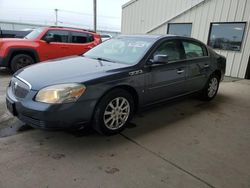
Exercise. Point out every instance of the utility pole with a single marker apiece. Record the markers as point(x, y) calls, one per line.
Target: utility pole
point(56, 13)
point(94, 6)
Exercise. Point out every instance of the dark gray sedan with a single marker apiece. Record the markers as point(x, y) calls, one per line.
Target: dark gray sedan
point(108, 84)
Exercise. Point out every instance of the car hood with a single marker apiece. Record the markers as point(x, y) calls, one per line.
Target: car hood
point(12, 39)
point(76, 69)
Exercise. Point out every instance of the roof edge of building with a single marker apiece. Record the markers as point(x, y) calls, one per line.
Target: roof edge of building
point(128, 3)
point(181, 13)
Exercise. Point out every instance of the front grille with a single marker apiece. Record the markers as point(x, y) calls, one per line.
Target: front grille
point(19, 88)
point(32, 122)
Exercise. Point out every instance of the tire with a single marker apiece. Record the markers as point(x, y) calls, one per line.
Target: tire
point(20, 61)
point(210, 90)
point(110, 118)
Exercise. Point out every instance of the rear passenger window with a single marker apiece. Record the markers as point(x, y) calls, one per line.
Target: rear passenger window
point(78, 37)
point(58, 36)
point(194, 50)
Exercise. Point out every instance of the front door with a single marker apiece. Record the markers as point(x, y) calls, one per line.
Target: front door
point(165, 81)
point(58, 47)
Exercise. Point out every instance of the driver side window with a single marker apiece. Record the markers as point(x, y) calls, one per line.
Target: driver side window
point(58, 36)
point(170, 48)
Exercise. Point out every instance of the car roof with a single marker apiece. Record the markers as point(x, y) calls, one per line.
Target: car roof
point(149, 36)
point(158, 37)
point(70, 29)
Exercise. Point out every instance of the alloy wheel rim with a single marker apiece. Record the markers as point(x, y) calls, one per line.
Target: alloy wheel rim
point(116, 113)
point(213, 86)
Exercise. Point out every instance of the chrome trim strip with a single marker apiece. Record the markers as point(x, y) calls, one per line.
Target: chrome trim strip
point(24, 81)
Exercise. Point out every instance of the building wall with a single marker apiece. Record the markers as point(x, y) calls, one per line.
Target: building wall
point(201, 16)
point(222, 11)
point(141, 16)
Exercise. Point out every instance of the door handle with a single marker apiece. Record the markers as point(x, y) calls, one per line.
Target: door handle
point(64, 47)
point(180, 71)
point(206, 66)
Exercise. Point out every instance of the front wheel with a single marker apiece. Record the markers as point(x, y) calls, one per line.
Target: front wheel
point(210, 90)
point(113, 112)
point(20, 61)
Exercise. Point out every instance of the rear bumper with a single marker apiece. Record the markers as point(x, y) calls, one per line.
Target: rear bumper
point(222, 75)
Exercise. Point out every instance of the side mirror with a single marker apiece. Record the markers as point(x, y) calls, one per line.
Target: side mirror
point(160, 59)
point(48, 38)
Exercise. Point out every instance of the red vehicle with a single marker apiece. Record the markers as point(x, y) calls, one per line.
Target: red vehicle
point(45, 43)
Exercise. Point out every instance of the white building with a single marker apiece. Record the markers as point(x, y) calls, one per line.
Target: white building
point(223, 24)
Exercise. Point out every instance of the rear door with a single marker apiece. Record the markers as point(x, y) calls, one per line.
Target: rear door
point(80, 43)
point(166, 81)
point(198, 64)
point(58, 47)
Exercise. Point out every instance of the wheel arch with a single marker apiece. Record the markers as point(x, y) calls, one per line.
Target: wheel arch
point(28, 51)
point(127, 88)
point(133, 93)
point(218, 73)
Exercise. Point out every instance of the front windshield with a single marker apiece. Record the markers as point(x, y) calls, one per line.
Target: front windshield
point(34, 34)
point(125, 50)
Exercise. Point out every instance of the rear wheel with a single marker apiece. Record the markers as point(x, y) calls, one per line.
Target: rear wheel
point(113, 112)
point(211, 88)
point(20, 61)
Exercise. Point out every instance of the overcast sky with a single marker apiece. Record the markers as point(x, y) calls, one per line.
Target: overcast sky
point(71, 12)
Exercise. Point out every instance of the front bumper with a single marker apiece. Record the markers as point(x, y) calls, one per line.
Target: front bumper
point(3, 62)
point(47, 116)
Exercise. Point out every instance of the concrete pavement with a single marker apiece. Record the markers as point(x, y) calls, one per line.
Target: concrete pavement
point(188, 143)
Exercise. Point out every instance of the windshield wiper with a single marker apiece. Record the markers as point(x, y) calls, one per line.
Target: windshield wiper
point(99, 58)
point(102, 59)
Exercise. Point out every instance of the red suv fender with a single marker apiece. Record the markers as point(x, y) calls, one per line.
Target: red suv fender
point(14, 51)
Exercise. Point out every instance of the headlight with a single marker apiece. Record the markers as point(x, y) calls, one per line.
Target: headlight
point(62, 93)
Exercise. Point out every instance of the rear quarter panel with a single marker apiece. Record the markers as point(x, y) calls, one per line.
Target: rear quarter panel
point(218, 62)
